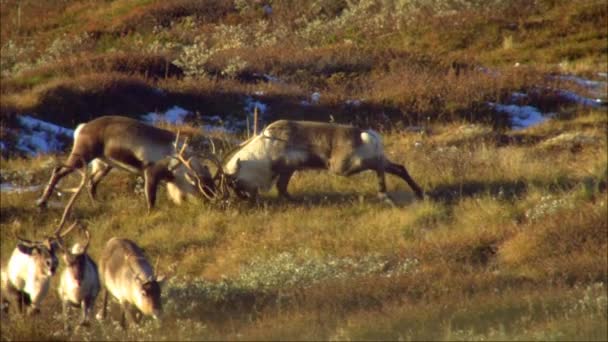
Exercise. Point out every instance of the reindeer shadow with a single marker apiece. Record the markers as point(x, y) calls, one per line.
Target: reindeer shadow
point(452, 193)
point(506, 190)
point(324, 198)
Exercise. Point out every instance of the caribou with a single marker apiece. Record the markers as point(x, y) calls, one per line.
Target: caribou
point(285, 147)
point(119, 142)
point(79, 282)
point(33, 263)
point(129, 277)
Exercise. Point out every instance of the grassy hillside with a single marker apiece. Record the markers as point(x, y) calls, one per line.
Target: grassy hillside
point(511, 242)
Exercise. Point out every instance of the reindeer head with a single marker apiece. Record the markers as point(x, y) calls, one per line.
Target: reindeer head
point(148, 292)
point(237, 185)
point(148, 297)
point(75, 259)
point(42, 253)
point(191, 174)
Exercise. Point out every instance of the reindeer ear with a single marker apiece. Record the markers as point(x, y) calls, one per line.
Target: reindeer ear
point(161, 280)
point(24, 249)
point(189, 178)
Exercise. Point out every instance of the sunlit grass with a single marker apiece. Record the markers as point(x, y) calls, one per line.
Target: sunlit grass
point(509, 244)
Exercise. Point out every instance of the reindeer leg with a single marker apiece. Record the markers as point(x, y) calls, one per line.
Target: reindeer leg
point(65, 310)
point(151, 182)
point(104, 306)
point(382, 195)
point(85, 305)
point(282, 183)
point(123, 316)
point(401, 172)
point(99, 171)
point(74, 162)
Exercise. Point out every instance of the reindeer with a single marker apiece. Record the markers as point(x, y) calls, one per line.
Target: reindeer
point(79, 282)
point(33, 263)
point(288, 146)
point(126, 273)
point(114, 141)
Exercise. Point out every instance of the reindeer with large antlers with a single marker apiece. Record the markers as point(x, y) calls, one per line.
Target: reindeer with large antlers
point(33, 263)
point(285, 147)
point(119, 142)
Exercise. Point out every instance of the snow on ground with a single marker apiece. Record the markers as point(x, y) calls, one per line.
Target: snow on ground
point(10, 188)
point(521, 116)
point(40, 137)
point(174, 115)
point(582, 100)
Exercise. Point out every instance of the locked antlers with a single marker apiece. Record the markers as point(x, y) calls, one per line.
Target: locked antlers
point(203, 188)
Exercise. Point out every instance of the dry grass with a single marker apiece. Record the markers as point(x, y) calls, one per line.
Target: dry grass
point(504, 248)
point(510, 244)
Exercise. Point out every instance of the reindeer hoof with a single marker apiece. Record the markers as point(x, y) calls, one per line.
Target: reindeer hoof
point(40, 203)
point(33, 311)
point(384, 197)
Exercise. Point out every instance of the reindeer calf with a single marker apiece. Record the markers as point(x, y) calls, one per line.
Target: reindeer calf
point(79, 282)
point(28, 275)
point(127, 274)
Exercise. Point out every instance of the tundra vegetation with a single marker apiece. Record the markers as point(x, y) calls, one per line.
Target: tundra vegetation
point(511, 242)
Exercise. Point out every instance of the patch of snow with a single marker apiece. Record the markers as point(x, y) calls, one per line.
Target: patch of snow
point(10, 188)
point(2, 146)
point(271, 78)
point(315, 97)
point(215, 118)
point(39, 125)
point(40, 137)
point(583, 81)
point(582, 100)
point(250, 105)
point(219, 129)
point(354, 103)
point(517, 96)
point(521, 116)
point(174, 115)
point(603, 74)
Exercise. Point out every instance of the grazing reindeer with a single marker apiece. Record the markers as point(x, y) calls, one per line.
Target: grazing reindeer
point(128, 144)
point(33, 263)
point(126, 273)
point(30, 268)
point(79, 282)
point(287, 146)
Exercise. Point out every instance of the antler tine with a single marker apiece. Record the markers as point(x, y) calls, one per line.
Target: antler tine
point(88, 235)
point(72, 200)
point(212, 145)
point(184, 145)
point(24, 241)
point(176, 139)
point(69, 229)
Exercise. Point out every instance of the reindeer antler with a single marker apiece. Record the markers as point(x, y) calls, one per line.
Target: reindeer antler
point(88, 235)
point(57, 233)
point(187, 162)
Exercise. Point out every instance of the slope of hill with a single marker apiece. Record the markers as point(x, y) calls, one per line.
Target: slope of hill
point(497, 108)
